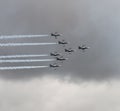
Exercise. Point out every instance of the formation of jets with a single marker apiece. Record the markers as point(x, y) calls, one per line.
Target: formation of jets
point(59, 56)
point(56, 55)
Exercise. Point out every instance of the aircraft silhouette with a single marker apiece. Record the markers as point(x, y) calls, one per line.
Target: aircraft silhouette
point(63, 42)
point(55, 54)
point(54, 66)
point(56, 35)
point(83, 47)
point(69, 50)
point(61, 58)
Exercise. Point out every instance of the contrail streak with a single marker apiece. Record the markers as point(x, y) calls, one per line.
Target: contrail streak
point(22, 67)
point(21, 36)
point(22, 56)
point(27, 60)
point(25, 44)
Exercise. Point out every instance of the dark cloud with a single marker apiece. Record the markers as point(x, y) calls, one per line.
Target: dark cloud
point(95, 23)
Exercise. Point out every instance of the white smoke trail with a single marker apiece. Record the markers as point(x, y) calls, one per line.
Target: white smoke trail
point(25, 44)
point(21, 36)
point(21, 56)
point(22, 67)
point(27, 60)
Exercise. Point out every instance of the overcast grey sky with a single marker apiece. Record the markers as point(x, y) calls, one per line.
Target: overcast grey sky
point(95, 23)
point(92, 22)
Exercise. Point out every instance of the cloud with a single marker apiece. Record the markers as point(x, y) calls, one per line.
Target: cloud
point(51, 94)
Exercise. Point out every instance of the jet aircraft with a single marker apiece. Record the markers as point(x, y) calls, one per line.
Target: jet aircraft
point(54, 66)
point(83, 47)
point(61, 58)
point(69, 50)
point(63, 42)
point(55, 54)
point(56, 35)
